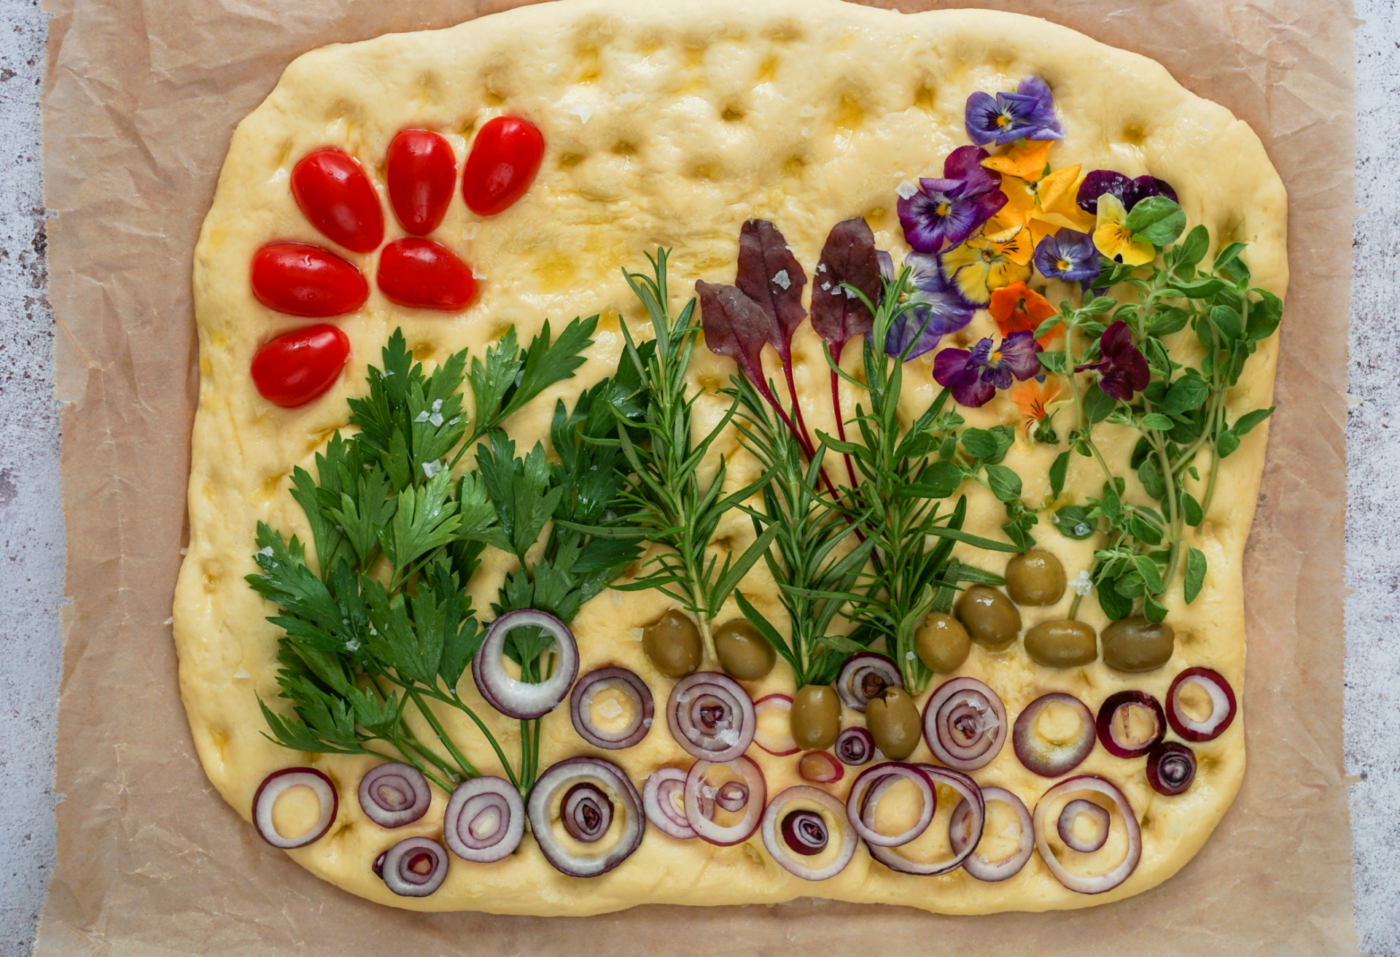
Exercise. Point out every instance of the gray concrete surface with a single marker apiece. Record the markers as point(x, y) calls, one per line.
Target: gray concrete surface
point(31, 523)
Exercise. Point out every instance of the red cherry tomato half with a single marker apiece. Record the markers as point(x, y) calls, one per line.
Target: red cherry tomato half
point(292, 370)
point(335, 195)
point(422, 173)
point(303, 280)
point(504, 159)
point(425, 275)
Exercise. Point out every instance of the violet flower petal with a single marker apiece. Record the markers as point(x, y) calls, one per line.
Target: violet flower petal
point(980, 118)
point(1068, 255)
point(1145, 186)
point(938, 310)
point(1018, 356)
point(964, 166)
point(1102, 181)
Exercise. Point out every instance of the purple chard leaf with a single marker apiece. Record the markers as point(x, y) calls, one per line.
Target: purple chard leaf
point(849, 257)
point(771, 276)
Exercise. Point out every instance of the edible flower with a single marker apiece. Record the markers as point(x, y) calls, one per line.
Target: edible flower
point(1130, 192)
point(1027, 114)
point(1017, 308)
point(985, 263)
point(1068, 255)
point(974, 377)
point(938, 308)
point(1033, 397)
point(1121, 367)
point(1114, 239)
point(944, 212)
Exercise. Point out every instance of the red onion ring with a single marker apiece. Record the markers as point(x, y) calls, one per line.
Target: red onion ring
point(960, 835)
point(711, 716)
point(1114, 703)
point(871, 785)
point(275, 785)
point(485, 820)
point(1104, 882)
point(619, 679)
point(1222, 700)
point(400, 867)
point(520, 699)
point(1050, 759)
point(392, 795)
point(586, 812)
point(1096, 814)
point(864, 677)
point(820, 768)
point(965, 724)
point(619, 790)
point(1171, 768)
point(806, 831)
point(780, 745)
point(732, 796)
point(658, 797)
point(855, 746)
point(977, 810)
point(696, 813)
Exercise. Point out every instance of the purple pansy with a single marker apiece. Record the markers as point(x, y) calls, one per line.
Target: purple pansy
point(938, 309)
point(1027, 114)
point(1121, 367)
point(1129, 191)
point(974, 377)
point(1069, 255)
point(944, 212)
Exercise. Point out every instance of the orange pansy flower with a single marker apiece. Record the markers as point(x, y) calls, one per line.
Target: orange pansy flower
point(1017, 307)
point(1033, 398)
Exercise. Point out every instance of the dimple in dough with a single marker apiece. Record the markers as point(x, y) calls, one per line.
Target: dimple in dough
point(670, 123)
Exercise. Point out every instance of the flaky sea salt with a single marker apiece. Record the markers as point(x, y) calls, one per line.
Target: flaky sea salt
point(610, 709)
point(906, 189)
point(241, 673)
point(431, 468)
point(781, 279)
point(582, 112)
point(1081, 583)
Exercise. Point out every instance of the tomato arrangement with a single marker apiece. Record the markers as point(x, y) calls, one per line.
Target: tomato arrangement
point(335, 194)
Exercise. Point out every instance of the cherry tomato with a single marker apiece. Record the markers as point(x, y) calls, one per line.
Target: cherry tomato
point(422, 173)
point(504, 159)
point(336, 196)
point(303, 280)
point(292, 370)
point(425, 275)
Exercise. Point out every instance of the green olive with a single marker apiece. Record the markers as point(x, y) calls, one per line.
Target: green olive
point(1063, 643)
point(743, 652)
point(894, 723)
point(672, 642)
point(989, 617)
point(942, 644)
point(1136, 644)
point(815, 717)
point(1035, 578)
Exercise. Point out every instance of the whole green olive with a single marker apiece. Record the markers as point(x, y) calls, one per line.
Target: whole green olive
point(1062, 643)
point(894, 723)
point(989, 617)
point(672, 642)
point(1136, 644)
point(1035, 578)
point(942, 644)
point(743, 652)
point(815, 717)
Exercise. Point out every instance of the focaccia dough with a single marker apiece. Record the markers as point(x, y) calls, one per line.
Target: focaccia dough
point(670, 122)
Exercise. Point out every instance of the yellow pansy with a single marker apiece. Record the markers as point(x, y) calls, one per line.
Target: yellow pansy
point(983, 263)
point(1112, 238)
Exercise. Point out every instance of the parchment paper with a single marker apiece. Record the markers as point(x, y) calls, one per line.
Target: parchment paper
point(140, 101)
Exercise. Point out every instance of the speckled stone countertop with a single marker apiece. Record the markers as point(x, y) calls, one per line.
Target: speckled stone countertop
point(31, 519)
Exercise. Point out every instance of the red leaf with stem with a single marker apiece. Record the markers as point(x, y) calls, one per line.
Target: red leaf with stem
point(771, 276)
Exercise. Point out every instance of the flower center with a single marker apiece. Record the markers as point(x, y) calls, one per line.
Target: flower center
point(1002, 119)
point(943, 209)
point(1062, 265)
point(994, 357)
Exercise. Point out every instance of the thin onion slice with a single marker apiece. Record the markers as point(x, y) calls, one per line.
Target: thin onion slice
point(485, 820)
point(711, 716)
point(615, 785)
point(732, 796)
point(658, 797)
point(970, 793)
point(1044, 756)
point(521, 699)
point(871, 785)
point(855, 746)
point(1075, 882)
point(392, 794)
point(1222, 701)
point(699, 807)
point(1115, 716)
point(1171, 768)
point(279, 782)
point(806, 833)
point(864, 677)
point(401, 867)
point(780, 745)
point(965, 724)
point(614, 679)
point(586, 812)
point(960, 835)
point(819, 767)
point(1096, 815)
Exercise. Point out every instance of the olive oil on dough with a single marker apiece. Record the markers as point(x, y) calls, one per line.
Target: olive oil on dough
point(670, 124)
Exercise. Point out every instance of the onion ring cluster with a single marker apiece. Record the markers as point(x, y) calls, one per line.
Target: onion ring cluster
point(601, 776)
point(631, 687)
point(711, 716)
point(965, 724)
point(864, 677)
point(485, 820)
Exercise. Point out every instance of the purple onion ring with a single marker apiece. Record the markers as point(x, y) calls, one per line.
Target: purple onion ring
point(711, 716)
point(864, 677)
point(1108, 727)
point(611, 781)
point(275, 785)
point(1222, 701)
point(1171, 768)
point(699, 807)
point(871, 785)
point(402, 867)
point(789, 842)
point(521, 699)
point(775, 744)
point(658, 799)
point(960, 834)
point(1075, 882)
point(964, 724)
point(1098, 816)
point(1051, 759)
point(586, 812)
point(485, 820)
point(618, 679)
point(855, 746)
point(392, 795)
point(732, 796)
point(968, 790)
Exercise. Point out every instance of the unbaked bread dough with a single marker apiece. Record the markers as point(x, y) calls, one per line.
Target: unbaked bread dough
point(670, 123)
